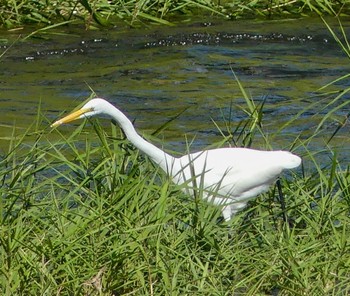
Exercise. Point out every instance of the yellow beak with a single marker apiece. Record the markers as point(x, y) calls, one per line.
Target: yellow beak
point(73, 116)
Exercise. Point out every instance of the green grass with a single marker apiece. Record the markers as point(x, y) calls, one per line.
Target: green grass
point(14, 13)
point(86, 214)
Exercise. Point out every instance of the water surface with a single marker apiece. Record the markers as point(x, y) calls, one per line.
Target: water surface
point(154, 73)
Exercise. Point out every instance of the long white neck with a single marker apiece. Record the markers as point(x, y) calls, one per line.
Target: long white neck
point(164, 160)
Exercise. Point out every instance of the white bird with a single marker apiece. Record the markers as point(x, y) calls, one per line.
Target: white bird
point(227, 177)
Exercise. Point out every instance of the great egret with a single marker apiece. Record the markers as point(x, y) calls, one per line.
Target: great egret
point(228, 177)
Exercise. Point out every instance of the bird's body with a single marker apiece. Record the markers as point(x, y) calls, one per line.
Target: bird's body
point(225, 176)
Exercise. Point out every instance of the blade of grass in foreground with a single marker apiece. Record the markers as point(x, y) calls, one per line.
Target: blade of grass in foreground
point(47, 29)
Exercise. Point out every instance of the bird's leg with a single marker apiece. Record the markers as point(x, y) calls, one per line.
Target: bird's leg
point(283, 203)
point(195, 195)
point(281, 199)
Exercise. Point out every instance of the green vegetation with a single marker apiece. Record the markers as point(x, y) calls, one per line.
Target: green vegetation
point(86, 214)
point(14, 13)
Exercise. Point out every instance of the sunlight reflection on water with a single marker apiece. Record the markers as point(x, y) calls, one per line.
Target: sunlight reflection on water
point(155, 73)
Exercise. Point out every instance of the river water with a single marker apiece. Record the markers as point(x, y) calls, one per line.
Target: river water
point(155, 73)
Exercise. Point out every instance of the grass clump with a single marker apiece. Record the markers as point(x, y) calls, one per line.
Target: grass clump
point(19, 12)
point(86, 214)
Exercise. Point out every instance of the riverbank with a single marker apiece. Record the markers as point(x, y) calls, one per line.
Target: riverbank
point(18, 13)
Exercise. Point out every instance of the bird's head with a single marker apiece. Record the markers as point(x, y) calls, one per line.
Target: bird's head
point(92, 108)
